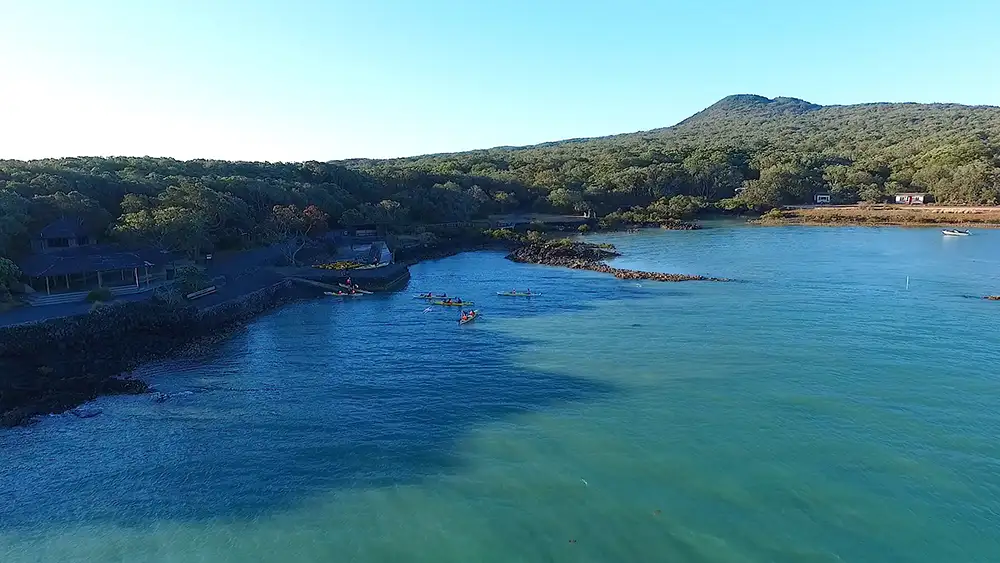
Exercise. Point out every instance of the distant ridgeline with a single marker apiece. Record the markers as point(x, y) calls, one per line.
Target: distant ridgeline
point(766, 151)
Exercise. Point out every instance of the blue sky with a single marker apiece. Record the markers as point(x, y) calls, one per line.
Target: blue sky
point(299, 80)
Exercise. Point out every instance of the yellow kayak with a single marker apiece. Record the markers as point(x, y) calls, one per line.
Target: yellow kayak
point(453, 303)
point(469, 318)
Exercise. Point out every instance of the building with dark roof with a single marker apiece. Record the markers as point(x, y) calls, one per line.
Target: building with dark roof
point(67, 258)
point(62, 234)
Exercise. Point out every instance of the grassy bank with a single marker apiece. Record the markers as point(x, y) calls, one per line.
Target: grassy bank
point(907, 216)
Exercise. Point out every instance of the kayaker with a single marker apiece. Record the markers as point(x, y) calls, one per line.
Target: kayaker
point(348, 281)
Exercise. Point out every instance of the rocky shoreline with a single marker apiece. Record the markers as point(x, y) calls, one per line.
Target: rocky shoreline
point(587, 256)
point(57, 365)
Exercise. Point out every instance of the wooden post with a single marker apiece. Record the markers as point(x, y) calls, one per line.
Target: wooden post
point(100, 282)
point(137, 277)
point(67, 281)
point(48, 291)
point(147, 276)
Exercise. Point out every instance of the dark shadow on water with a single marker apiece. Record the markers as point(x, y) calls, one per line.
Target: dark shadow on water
point(316, 397)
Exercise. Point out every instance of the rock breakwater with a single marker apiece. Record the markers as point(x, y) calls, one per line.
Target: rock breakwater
point(587, 256)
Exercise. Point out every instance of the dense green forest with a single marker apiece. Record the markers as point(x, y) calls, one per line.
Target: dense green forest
point(780, 151)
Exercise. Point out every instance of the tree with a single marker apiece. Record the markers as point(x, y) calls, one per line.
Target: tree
point(14, 219)
point(48, 208)
point(760, 195)
point(684, 207)
point(506, 201)
point(564, 200)
point(219, 212)
point(292, 226)
point(190, 279)
point(172, 229)
point(9, 274)
point(784, 149)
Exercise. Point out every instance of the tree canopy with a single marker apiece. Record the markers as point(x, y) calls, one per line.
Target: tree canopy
point(743, 152)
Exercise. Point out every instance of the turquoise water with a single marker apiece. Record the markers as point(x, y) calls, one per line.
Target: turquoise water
point(816, 410)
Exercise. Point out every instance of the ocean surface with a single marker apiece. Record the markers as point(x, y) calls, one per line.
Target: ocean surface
point(839, 402)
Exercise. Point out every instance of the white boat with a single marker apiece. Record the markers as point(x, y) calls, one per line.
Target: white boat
point(955, 233)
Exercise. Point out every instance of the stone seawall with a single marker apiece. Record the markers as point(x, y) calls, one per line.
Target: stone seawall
point(56, 365)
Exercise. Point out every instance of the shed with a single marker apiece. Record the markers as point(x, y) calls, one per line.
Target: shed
point(912, 198)
point(84, 267)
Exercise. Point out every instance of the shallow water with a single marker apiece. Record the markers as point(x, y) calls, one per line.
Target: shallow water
point(817, 410)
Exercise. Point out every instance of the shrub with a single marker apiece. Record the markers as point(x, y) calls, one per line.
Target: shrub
point(99, 295)
point(584, 228)
point(503, 234)
point(774, 214)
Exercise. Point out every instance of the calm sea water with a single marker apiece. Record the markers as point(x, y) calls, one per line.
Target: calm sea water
point(815, 411)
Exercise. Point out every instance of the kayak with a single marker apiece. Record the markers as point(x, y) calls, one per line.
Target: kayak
point(453, 304)
point(355, 289)
point(342, 294)
point(424, 296)
point(470, 318)
point(516, 294)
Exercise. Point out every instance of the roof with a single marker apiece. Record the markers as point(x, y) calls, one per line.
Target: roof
point(90, 258)
point(64, 228)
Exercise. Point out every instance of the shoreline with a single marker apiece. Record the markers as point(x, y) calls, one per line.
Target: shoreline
point(104, 347)
point(31, 387)
point(81, 379)
point(883, 216)
point(58, 365)
point(847, 223)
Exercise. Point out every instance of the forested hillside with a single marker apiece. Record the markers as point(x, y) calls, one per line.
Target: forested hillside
point(782, 151)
